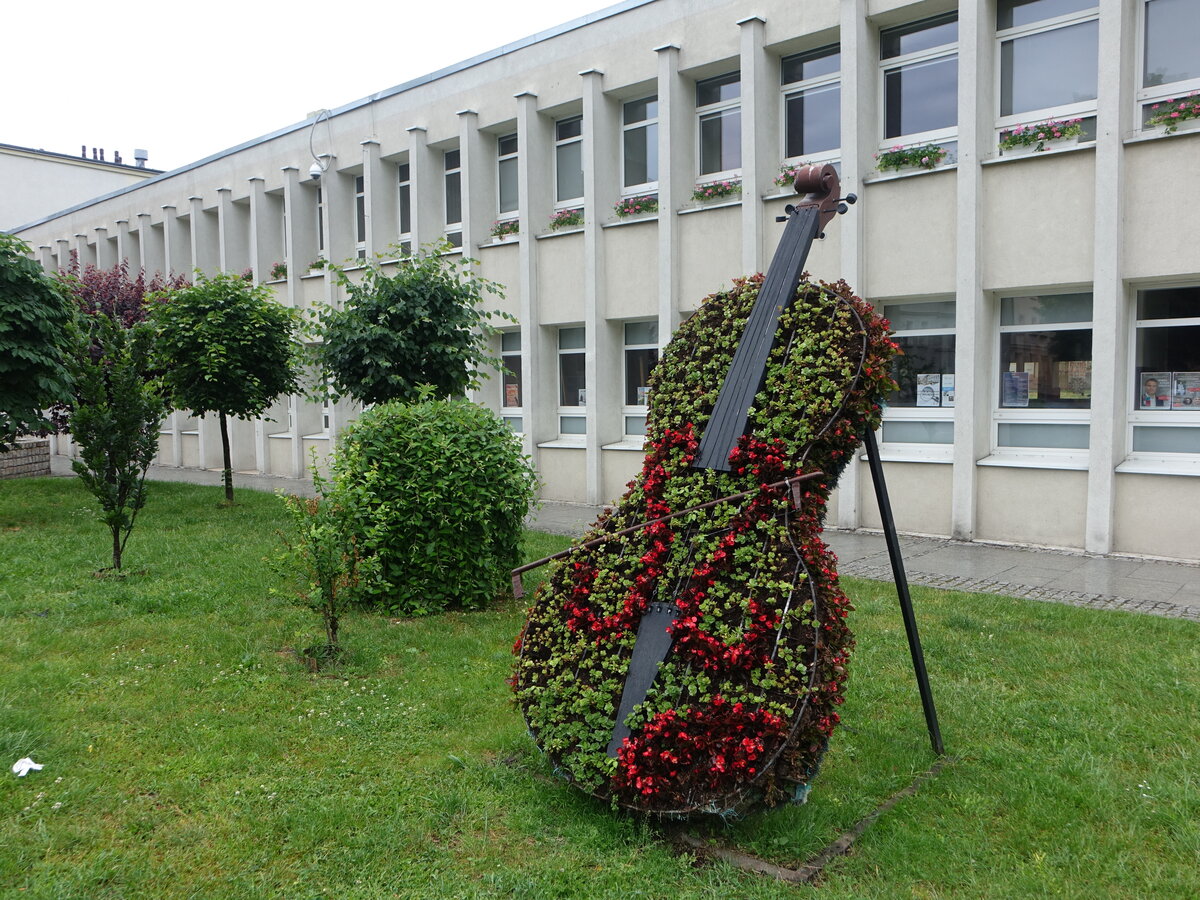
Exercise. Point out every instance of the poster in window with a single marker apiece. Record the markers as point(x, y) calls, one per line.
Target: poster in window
point(1154, 392)
point(643, 395)
point(1074, 379)
point(929, 389)
point(1186, 394)
point(1014, 389)
point(948, 389)
point(512, 395)
point(583, 396)
point(1031, 384)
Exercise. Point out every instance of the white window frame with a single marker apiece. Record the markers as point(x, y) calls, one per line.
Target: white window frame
point(1147, 96)
point(1036, 457)
point(570, 202)
point(512, 360)
point(360, 216)
point(452, 230)
point(939, 136)
point(501, 158)
point(919, 452)
point(320, 217)
point(580, 411)
point(718, 108)
point(403, 199)
point(637, 410)
point(1081, 110)
point(1145, 460)
point(804, 86)
point(646, 187)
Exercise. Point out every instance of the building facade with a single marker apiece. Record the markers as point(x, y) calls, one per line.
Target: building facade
point(1048, 301)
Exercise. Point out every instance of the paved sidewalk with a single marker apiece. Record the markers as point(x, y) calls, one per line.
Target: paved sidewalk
point(1102, 582)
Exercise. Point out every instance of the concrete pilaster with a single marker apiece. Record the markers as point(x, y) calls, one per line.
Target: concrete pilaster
point(379, 179)
point(105, 255)
point(425, 173)
point(676, 176)
point(760, 99)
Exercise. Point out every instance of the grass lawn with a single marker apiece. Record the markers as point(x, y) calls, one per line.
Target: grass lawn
point(188, 754)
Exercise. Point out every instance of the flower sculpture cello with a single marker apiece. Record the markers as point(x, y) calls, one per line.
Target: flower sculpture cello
point(688, 654)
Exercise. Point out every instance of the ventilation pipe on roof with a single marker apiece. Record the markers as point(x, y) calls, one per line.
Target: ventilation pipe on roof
point(140, 156)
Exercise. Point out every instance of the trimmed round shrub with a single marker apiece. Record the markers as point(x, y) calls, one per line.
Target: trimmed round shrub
point(742, 706)
point(439, 490)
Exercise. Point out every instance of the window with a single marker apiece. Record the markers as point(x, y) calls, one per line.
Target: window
point(360, 217)
point(506, 174)
point(568, 160)
point(572, 382)
point(639, 145)
point(1170, 63)
point(921, 409)
point(404, 206)
point(1165, 401)
point(812, 96)
point(1045, 358)
point(320, 223)
point(453, 168)
point(641, 355)
point(1048, 56)
point(511, 400)
point(920, 79)
point(719, 115)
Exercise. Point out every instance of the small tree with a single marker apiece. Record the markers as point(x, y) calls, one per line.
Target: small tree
point(226, 347)
point(422, 325)
point(114, 291)
point(115, 418)
point(34, 314)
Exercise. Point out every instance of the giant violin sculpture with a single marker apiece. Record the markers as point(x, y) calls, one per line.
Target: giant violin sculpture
point(688, 654)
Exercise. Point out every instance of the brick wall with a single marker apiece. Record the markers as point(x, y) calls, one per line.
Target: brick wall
point(30, 457)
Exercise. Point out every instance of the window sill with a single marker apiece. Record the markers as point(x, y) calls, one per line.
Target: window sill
point(1160, 465)
point(562, 232)
point(914, 455)
point(195, 431)
point(909, 173)
point(281, 435)
point(1031, 460)
point(1054, 152)
point(717, 204)
point(563, 444)
point(632, 220)
point(500, 242)
point(636, 444)
point(319, 436)
point(1156, 134)
point(318, 274)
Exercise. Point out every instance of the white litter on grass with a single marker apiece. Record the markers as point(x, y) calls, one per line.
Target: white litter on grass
point(23, 767)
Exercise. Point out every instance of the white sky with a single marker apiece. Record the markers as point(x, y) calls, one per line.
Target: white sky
point(187, 79)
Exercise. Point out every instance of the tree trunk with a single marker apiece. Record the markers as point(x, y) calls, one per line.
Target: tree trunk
point(331, 630)
point(228, 462)
point(116, 533)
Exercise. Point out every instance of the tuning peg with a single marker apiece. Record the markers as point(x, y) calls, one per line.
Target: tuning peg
point(851, 198)
point(842, 208)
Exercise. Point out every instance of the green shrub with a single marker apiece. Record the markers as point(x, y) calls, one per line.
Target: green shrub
point(439, 490)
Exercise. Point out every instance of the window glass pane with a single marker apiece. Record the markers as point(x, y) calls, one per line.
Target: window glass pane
point(721, 141)
point(515, 423)
point(715, 90)
point(916, 316)
point(916, 36)
point(508, 185)
point(641, 110)
point(1172, 36)
point(803, 66)
point(569, 169)
point(924, 371)
point(1059, 437)
point(507, 144)
point(1168, 368)
point(510, 342)
point(455, 238)
point(451, 160)
point(360, 218)
point(568, 128)
point(405, 210)
point(1169, 303)
point(1048, 309)
point(1015, 13)
point(510, 392)
point(1148, 439)
point(572, 380)
point(918, 432)
point(641, 332)
point(1046, 369)
point(635, 425)
point(572, 425)
point(641, 155)
point(638, 365)
point(1052, 68)
point(814, 121)
point(922, 97)
point(453, 198)
point(571, 338)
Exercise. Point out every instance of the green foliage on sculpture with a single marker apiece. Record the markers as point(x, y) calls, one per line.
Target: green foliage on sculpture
point(225, 346)
point(743, 704)
point(421, 325)
point(34, 313)
point(439, 490)
point(115, 415)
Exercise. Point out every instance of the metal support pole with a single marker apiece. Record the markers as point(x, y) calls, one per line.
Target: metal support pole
point(910, 621)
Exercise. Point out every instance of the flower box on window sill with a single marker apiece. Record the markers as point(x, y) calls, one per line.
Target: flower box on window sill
point(716, 191)
point(1043, 147)
point(1187, 125)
